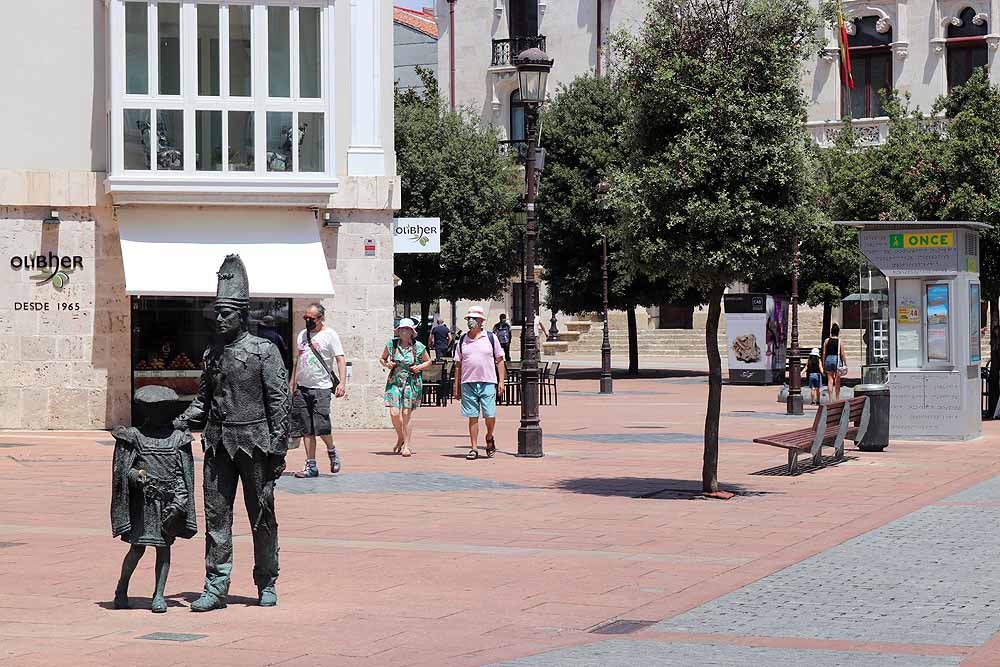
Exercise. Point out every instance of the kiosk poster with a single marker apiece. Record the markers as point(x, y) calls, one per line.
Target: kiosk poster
point(975, 351)
point(756, 331)
point(937, 322)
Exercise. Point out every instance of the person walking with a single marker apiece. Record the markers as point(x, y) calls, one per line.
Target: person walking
point(440, 339)
point(267, 331)
point(312, 386)
point(814, 374)
point(834, 362)
point(406, 358)
point(480, 374)
point(502, 330)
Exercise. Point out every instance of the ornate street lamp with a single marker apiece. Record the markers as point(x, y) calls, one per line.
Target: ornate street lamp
point(533, 68)
point(606, 386)
point(793, 405)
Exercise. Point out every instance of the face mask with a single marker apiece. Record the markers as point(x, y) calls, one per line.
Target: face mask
point(473, 323)
point(310, 324)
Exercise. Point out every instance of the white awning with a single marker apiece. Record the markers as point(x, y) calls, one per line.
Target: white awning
point(176, 252)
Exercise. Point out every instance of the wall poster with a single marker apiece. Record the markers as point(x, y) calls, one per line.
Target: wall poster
point(938, 312)
point(975, 325)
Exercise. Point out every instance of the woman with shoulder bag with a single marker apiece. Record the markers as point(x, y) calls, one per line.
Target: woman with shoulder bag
point(834, 362)
point(406, 358)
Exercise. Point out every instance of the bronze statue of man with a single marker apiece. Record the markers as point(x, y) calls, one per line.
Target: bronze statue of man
point(243, 402)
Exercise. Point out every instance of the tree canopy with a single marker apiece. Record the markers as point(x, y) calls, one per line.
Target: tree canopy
point(450, 168)
point(716, 180)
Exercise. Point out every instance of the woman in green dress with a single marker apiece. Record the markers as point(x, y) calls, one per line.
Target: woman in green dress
point(406, 358)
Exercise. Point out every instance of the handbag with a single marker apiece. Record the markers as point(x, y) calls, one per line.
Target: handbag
point(333, 378)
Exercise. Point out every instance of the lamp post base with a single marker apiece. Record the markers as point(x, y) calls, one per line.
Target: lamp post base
point(606, 385)
point(529, 442)
point(793, 405)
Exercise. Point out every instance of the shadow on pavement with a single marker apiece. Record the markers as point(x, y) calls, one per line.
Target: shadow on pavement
point(644, 374)
point(647, 487)
point(805, 466)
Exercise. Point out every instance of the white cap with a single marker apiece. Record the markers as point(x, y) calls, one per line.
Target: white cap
point(407, 323)
point(814, 352)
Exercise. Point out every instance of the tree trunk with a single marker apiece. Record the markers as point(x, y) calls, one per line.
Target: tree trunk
point(993, 384)
point(710, 467)
point(633, 342)
point(827, 316)
point(425, 312)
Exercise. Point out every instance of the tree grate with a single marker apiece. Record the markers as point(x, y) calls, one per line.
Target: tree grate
point(172, 637)
point(621, 627)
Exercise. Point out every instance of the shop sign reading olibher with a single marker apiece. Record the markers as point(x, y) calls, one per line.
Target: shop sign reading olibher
point(49, 269)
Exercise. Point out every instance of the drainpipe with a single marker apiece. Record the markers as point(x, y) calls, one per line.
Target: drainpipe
point(600, 32)
point(451, 51)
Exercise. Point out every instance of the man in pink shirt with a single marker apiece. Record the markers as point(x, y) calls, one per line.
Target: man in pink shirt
point(479, 378)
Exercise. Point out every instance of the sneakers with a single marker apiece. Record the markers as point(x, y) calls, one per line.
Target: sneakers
point(208, 602)
point(268, 597)
point(309, 471)
point(334, 461)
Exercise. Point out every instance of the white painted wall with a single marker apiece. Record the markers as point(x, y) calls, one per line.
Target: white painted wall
point(53, 112)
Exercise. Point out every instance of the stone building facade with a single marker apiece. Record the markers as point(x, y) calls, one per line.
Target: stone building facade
point(141, 121)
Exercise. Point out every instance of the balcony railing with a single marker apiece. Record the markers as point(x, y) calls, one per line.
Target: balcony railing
point(505, 50)
point(517, 149)
point(869, 131)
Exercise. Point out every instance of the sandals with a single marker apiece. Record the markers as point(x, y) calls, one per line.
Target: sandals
point(491, 447)
point(398, 449)
point(405, 451)
point(472, 455)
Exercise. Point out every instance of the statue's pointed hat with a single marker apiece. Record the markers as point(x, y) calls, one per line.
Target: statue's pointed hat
point(234, 286)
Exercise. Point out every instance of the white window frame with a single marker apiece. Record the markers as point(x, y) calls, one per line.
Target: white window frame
point(230, 187)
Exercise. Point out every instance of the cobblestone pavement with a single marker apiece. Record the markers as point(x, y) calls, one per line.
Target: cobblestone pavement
point(431, 561)
point(932, 577)
point(628, 653)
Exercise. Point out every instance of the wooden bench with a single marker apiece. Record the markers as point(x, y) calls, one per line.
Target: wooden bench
point(834, 423)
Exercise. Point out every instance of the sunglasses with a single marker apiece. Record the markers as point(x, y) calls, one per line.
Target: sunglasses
point(309, 319)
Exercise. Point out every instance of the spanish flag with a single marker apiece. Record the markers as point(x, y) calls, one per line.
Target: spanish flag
point(845, 55)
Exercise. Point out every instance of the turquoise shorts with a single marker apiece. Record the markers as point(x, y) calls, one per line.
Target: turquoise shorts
point(479, 397)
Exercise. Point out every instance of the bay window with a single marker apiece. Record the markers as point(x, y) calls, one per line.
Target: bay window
point(224, 91)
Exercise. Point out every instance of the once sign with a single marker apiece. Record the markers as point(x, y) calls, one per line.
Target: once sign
point(416, 235)
point(915, 241)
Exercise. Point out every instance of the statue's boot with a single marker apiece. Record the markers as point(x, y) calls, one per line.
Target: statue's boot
point(121, 599)
point(268, 597)
point(208, 602)
point(159, 605)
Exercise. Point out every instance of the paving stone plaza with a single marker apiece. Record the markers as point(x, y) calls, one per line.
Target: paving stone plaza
point(600, 554)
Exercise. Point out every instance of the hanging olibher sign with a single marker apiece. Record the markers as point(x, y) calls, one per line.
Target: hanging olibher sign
point(51, 270)
point(416, 235)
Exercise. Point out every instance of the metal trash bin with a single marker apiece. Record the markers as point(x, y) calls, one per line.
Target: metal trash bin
point(877, 436)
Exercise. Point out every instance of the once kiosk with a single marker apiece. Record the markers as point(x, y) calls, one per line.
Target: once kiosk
point(932, 269)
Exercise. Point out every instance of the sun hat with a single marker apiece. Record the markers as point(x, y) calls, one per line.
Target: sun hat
point(477, 312)
point(407, 323)
point(814, 352)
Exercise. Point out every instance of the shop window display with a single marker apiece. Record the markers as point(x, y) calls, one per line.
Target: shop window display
point(169, 335)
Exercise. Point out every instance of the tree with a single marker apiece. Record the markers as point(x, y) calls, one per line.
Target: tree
point(450, 168)
point(972, 168)
point(583, 146)
point(715, 184)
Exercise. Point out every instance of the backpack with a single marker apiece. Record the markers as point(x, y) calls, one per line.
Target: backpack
point(492, 338)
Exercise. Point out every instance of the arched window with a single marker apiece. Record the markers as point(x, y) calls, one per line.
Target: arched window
point(517, 120)
point(966, 47)
point(871, 67)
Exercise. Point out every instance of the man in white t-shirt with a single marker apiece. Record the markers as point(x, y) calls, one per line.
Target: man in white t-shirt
point(311, 387)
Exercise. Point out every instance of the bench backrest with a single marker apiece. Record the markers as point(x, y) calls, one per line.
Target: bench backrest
point(860, 413)
point(828, 415)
